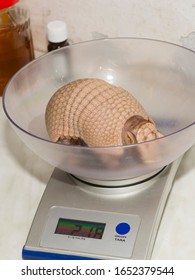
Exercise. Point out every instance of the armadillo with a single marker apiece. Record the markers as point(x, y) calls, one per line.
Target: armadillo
point(94, 112)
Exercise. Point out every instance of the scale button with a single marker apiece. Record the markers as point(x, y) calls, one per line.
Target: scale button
point(123, 228)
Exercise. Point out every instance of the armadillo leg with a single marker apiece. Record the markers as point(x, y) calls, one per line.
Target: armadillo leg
point(72, 141)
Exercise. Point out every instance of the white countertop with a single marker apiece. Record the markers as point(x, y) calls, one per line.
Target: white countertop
point(23, 180)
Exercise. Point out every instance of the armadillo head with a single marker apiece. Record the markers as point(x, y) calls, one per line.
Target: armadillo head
point(137, 130)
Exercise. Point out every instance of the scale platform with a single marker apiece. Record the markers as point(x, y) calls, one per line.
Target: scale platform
point(77, 220)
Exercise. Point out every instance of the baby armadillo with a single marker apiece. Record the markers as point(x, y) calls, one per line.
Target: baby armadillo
point(93, 112)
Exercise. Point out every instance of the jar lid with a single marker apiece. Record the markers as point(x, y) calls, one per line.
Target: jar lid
point(7, 3)
point(57, 31)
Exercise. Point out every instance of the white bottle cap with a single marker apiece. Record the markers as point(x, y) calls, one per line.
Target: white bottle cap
point(57, 31)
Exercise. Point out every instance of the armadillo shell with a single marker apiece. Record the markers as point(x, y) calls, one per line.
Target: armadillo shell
point(92, 110)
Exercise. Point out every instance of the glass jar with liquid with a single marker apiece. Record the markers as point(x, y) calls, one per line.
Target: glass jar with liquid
point(16, 45)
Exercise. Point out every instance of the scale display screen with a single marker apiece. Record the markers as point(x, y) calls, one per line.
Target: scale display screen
point(80, 228)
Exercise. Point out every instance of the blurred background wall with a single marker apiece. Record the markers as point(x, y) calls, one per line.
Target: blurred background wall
point(169, 20)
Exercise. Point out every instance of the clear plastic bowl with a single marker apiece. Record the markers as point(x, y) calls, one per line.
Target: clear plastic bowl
point(159, 74)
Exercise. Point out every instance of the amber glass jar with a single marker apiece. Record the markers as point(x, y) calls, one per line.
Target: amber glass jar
point(16, 45)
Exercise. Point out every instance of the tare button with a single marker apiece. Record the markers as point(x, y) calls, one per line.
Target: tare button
point(123, 228)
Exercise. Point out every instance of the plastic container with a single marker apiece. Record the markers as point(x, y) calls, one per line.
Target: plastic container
point(160, 75)
point(57, 35)
point(16, 45)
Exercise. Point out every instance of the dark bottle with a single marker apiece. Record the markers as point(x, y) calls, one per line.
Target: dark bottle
point(57, 35)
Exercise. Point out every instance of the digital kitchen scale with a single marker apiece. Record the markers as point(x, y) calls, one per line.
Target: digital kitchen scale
point(98, 213)
point(78, 220)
